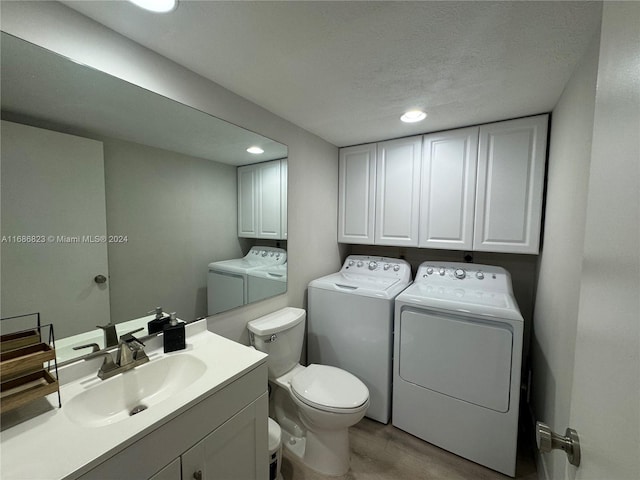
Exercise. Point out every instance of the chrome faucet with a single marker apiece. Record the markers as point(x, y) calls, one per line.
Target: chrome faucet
point(129, 355)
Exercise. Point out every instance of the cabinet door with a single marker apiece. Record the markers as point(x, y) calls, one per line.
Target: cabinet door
point(398, 192)
point(511, 161)
point(247, 201)
point(284, 175)
point(269, 198)
point(170, 472)
point(448, 189)
point(356, 194)
point(237, 450)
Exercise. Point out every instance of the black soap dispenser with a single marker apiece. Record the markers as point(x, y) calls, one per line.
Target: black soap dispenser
point(174, 335)
point(157, 324)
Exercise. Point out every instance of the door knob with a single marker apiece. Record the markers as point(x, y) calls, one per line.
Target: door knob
point(548, 440)
point(100, 279)
point(197, 475)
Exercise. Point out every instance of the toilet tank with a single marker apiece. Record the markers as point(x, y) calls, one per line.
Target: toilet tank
point(280, 335)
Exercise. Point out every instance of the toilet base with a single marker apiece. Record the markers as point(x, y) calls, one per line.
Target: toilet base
point(326, 453)
point(293, 444)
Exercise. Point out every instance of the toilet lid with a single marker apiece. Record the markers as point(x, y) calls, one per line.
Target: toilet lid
point(324, 386)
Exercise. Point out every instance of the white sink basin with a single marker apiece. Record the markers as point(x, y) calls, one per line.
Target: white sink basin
point(113, 400)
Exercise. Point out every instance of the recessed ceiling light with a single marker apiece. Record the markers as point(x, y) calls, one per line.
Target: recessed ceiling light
point(413, 116)
point(255, 150)
point(157, 6)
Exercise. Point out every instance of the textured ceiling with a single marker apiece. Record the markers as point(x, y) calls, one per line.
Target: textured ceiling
point(347, 70)
point(49, 91)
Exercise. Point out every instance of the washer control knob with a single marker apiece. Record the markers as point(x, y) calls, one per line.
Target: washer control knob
point(459, 273)
point(351, 263)
point(441, 271)
point(387, 266)
point(359, 264)
point(264, 253)
point(373, 265)
point(429, 271)
point(396, 268)
point(479, 275)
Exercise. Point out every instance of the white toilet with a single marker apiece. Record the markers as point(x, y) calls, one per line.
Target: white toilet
point(314, 405)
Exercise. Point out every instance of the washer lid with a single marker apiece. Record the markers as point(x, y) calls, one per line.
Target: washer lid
point(323, 386)
point(363, 285)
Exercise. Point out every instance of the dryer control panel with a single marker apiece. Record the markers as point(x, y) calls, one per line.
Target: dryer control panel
point(470, 274)
point(381, 267)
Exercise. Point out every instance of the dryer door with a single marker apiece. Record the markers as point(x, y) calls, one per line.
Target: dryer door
point(463, 358)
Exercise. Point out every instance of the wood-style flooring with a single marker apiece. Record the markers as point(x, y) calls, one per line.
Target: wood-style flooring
point(383, 452)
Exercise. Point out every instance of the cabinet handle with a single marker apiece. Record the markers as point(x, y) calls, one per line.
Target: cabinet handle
point(197, 475)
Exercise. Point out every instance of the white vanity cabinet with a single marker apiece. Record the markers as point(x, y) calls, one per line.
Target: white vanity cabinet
point(448, 187)
point(477, 188)
point(228, 452)
point(224, 436)
point(173, 471)
point(260, 200)
point(511, 163)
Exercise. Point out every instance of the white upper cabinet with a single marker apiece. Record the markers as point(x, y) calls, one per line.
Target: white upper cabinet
point(398, 192)
point(260, 200)
point(511, 163)
point(247, 202)
point(477, 188)
point(284, 174)
point(356, 194)
point(447, 197)
point(269, 200)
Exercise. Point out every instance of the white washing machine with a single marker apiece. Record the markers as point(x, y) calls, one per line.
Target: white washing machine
point(350, 323)
point(458, 352)
point(227, 283)
point(266, 282)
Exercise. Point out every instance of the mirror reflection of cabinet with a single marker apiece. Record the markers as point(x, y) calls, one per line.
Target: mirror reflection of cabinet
point(261, 201)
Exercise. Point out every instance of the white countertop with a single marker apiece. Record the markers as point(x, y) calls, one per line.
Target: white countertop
point(51, 445)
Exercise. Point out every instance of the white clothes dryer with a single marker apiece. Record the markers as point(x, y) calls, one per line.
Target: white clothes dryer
point(266, 282)
point(227, 282)
point(457, 359)
point(351, 323)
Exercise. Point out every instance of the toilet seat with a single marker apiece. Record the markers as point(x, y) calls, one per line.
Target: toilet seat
point(329, 389)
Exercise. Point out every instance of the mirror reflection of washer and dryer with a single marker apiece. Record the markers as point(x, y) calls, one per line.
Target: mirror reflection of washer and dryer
point(260, 274)
point(441, 356)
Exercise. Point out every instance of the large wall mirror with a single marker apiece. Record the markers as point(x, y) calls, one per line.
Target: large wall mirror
point(115, 200)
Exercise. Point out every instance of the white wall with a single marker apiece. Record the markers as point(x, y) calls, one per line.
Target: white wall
point(313, 163)
point(556, 305)
point(179, 214)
